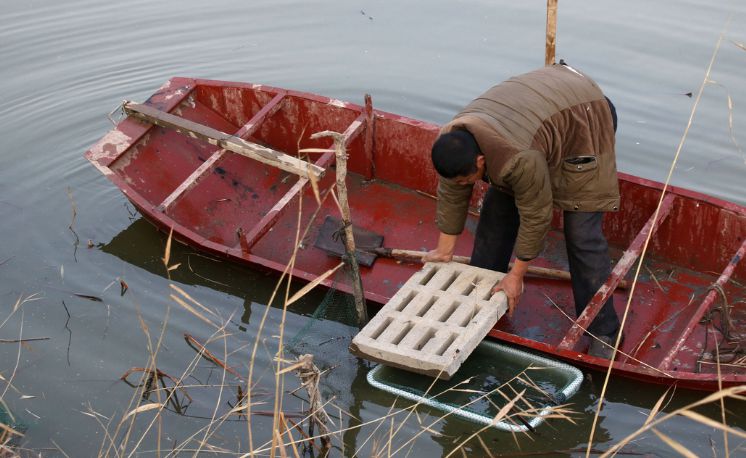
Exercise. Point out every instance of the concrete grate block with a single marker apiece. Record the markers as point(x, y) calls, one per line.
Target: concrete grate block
point(434, 322)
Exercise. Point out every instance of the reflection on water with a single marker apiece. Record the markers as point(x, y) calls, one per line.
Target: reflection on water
point(141, 245)
point(66, 64)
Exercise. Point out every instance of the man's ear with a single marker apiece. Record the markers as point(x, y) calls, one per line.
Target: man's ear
point(480, 160)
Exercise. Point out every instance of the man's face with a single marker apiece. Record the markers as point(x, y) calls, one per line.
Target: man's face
point(474, 177)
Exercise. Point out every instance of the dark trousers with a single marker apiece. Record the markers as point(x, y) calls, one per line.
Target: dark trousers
point(587, 252)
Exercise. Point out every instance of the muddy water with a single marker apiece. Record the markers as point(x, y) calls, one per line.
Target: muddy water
point(64, 65)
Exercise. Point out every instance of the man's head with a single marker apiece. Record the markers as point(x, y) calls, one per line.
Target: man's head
point(456, 155)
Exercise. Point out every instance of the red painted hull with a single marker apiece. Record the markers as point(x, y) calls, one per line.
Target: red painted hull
point(238, 208)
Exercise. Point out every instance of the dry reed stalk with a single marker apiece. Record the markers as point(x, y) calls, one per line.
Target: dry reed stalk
point(428, 195)
point(435, 380)
point(656, 327)
point(72, 221)
point(194, 301)
point(214, 422)
point(279, 379)
point(731, 130)
point(310, 375)
point(266, 447)
point(207, 354)
point(389, 414)
point(194, 312)
point(158, 374)
point(126, 424)
point(560, 409)
point(674, 444)
point(391, 433)
point(27, 339)
point(720, 387)
point(655, 279)
point(484, 447)
point(153, 351)
point(642, 363)
point(167, 255)
point(9, 381)
point(688, 411)
point(8, 433)
point(303, 433)
point(647, 239)
point(500, 415)
point(225, 367)
point(266, 313)
point(739, 363)
point(190, 368)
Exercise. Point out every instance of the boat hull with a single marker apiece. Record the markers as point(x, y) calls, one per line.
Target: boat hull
point(249, 212)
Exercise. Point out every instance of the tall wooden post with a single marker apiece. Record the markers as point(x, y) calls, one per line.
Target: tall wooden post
point(357, 282)
point(551, 32)
point(370, 123)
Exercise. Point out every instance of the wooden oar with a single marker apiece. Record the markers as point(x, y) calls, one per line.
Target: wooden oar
point(416, 256)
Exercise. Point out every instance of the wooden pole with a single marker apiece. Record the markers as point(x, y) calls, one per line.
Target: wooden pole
point(357, 282)
point(370, 123)
point(416, 256)
point(551, 32)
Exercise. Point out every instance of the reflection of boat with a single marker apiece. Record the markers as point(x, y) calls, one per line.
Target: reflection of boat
point(139, 245)
point(688, 297)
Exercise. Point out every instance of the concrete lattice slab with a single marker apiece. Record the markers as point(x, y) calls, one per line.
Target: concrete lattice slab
point(435, 320)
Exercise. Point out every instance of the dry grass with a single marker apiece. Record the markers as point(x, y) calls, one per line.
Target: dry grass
point(705, 81)
point(140, 427)
point(9, 436)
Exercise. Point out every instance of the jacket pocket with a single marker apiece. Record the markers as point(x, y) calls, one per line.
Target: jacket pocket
point(578, 175)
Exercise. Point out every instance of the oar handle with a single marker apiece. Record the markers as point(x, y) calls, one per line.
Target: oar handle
point(416, 256)
point(411, 255)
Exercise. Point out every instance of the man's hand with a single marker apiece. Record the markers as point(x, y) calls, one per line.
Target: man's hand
point(512, 285)
point(444, 250)
point(437, 256)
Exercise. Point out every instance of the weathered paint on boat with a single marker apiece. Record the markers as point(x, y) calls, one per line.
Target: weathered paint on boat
point(246, 211)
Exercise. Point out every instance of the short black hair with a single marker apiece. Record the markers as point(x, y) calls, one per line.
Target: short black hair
point(454, 154)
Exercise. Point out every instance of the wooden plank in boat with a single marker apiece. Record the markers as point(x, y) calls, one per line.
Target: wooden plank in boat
point(229, 142)
point(434, 322)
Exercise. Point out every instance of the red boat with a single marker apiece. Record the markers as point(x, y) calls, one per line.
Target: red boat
point(688, 308)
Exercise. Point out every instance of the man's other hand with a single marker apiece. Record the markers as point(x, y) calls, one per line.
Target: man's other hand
point(444, 251)
point(437, 256)
point(512, 285)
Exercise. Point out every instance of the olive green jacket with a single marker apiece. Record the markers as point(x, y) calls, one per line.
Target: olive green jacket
point(548, 139)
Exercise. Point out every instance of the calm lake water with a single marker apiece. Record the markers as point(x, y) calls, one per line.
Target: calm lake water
point(65, 64)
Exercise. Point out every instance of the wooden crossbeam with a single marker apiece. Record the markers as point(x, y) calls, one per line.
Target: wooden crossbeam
point(250, 239)
point(206, 167)
point(226, 141)
point(620, 270)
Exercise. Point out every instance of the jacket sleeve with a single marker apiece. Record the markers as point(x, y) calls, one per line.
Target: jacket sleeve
point(453, 206)
point(527, 174)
